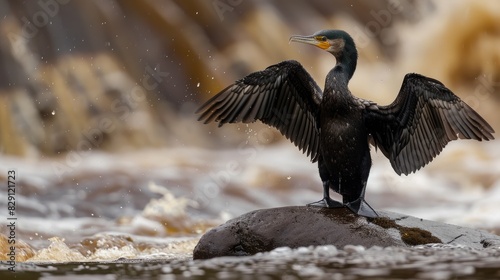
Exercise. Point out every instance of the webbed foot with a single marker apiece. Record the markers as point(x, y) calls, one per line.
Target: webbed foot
point(326, 202)
point(362, 208)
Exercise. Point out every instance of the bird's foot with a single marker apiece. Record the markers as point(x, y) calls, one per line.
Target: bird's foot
point(362, 208)
point(327, 202)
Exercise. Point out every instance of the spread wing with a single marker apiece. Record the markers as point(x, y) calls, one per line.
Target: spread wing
point(417, 126)
point(283, 95)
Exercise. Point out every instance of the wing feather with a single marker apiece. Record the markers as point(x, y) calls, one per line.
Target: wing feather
point(423, 118)
point(283, 95)
point(254, 108)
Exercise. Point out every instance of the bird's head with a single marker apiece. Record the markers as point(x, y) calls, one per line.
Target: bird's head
point(336, 42)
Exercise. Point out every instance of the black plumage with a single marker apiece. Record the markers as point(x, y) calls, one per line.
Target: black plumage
point(335, 128)
point(284, 96)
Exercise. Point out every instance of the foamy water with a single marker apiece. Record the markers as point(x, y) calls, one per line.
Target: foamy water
point(157, 203)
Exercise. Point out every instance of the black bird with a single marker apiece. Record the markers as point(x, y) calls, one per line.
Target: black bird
point(335, 128)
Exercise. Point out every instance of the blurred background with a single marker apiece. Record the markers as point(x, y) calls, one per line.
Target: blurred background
point(97, 102)
point(135, 70)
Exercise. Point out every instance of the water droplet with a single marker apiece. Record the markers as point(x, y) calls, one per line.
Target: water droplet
point(289, 177)
point(198, 85)
point(53, 112)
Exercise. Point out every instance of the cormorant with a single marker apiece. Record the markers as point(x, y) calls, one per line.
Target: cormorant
point(335, 128)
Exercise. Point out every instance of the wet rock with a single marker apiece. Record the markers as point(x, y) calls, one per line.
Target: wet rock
point(301, 226)
point(449, 234)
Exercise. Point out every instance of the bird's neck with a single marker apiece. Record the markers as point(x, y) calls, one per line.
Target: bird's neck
point(347, 61)
point(336, 84)
point(336, 91)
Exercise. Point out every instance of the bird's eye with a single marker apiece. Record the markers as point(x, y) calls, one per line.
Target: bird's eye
point(320, 38)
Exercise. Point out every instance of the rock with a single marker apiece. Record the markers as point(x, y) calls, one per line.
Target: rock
point(302, 226)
